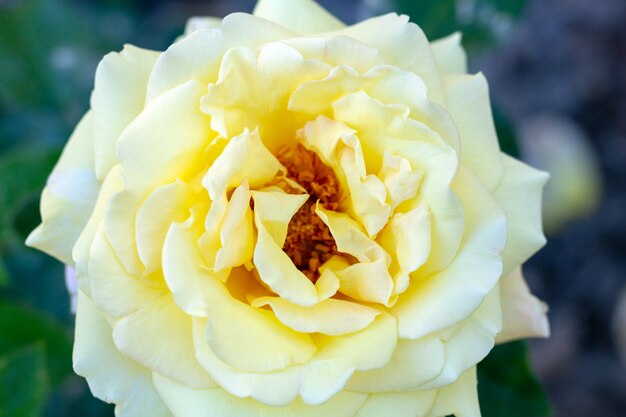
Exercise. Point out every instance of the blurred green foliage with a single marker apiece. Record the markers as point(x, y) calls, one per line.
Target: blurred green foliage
point(482, 22)
point(49, 50)
point(507, 386)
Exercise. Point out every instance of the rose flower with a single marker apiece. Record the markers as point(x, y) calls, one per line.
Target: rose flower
point(284, 216)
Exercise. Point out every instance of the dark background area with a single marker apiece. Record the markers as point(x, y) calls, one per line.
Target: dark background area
point(550, 63)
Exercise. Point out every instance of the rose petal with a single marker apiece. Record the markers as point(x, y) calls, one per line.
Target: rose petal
point(414, 362)
point(523, 314)
point(69, 196)
point(158, 336)
point(459, 398)
point(112, 377)
point(272, 212)
point(118, 97)
point(176, 132)
point(393, 35)
point(332, 317)
point(305, 17)
point(270, 74)
point(113, 290)
point(469, 106)
point(166, 205)
point(185, 402)
point(425, 306)
point(450, 54)
point(195, 57)
point(519, 194)
point(401, 404)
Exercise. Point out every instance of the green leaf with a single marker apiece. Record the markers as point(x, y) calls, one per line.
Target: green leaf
point(21, 326)
point(507, 386)
point(24, 384)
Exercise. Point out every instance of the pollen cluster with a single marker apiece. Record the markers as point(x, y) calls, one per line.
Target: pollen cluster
point(309, 242)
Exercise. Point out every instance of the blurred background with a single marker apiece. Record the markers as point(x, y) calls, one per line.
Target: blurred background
point(557, 71)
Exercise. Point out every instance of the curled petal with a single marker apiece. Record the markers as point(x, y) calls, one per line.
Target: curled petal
point(400, 180)
point(272, 213)
point(331, 317)
point(176, 132)
point(195, 57)
point(425, 306)
point(167, 204)
point(523, 315)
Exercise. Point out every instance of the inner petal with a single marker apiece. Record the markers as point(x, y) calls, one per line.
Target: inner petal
point(309, 242)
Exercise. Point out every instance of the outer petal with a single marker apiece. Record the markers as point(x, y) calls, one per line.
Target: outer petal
point(112, 377)
point(185, 402)
point(519, 194)
point(305, 17)
point(398, 404)
point(118, 97)
point(414, 362)
point(201, 22)
point(80, 252)
point(318, 380)
point(469, 106)
point(459, 398)
point(159, 337)
point(69, 196)
point(470, 341)
point(523, 314)
point(450, 54)
point(176, 133)
point(425, 306)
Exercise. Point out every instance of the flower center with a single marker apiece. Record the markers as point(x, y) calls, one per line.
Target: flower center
point(309, 242)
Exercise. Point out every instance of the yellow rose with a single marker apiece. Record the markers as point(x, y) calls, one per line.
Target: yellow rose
point(283, 216)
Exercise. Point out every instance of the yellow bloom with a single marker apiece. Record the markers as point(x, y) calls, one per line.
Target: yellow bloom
point(283, 216)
